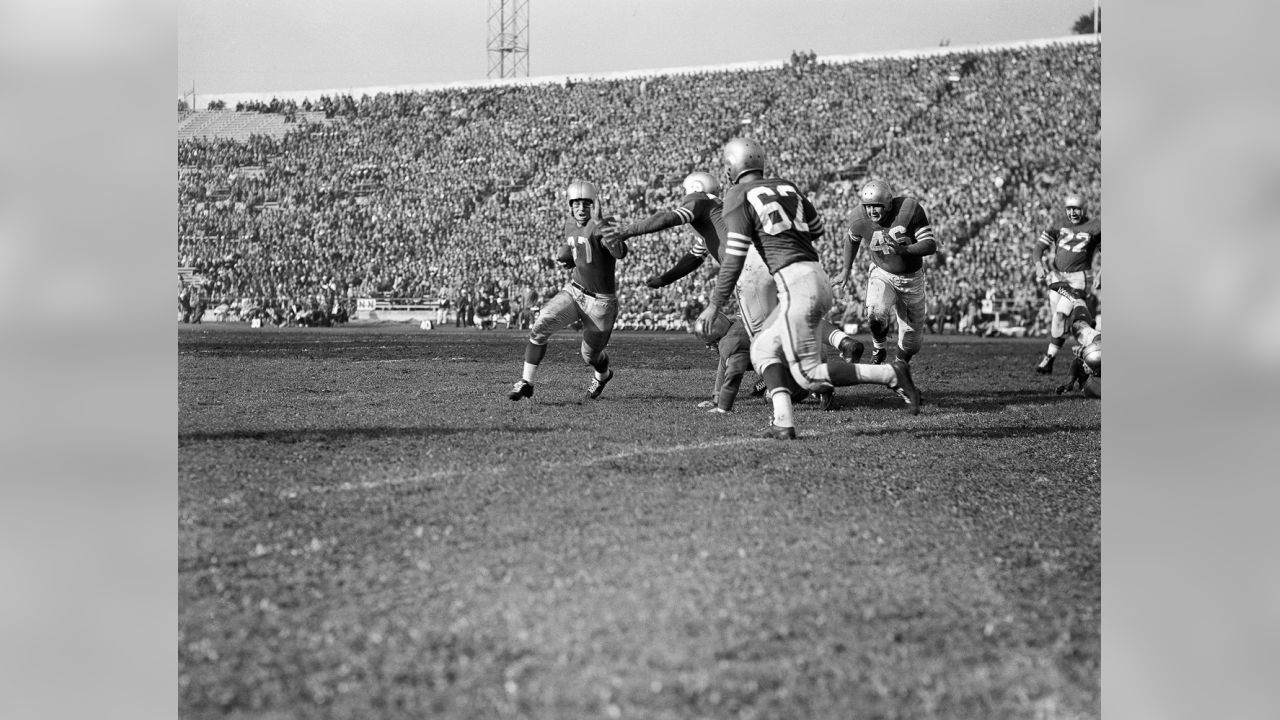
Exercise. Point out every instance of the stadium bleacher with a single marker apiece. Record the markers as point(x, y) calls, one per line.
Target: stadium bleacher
point(457, 191)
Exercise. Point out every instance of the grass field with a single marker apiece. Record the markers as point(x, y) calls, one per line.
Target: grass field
point(368, 528)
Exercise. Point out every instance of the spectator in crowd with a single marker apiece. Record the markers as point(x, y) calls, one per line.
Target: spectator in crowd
point(408, 192)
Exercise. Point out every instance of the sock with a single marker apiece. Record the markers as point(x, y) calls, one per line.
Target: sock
point(879, 344)
point(1054, 346)
point(836, 337)
point(878, 374)
point(781, 408)
point(842, 373)
point(529, 370)
point(601, 367)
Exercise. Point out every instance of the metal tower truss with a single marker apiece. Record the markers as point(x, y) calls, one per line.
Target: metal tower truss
point(508, 38)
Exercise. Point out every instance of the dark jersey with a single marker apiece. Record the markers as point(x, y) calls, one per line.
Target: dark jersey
point(593, 265)
point(903, 211)
point(1074, 244)
point(699, 211)
point(772, 215)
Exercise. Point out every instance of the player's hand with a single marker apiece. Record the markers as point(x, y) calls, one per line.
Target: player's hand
point(840, 280)
point(654, 281)
point(613, 233)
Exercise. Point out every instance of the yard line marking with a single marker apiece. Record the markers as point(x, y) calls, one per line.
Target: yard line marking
point(552, 465)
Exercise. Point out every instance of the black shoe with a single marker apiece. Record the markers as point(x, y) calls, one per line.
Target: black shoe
point(597, 385)
point(851, 350)
point(522, 389)
point(826, 399)
point(1045, 366)
point(878, 355)
point(905, 388)
point(778, 432)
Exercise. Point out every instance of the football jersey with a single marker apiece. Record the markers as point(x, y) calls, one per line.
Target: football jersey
point(698, 210)
point(1074, 244)
point(772, 215)
point(593, 265)
point(903, 210)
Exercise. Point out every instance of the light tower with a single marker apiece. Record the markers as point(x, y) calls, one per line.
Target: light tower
point(508, 38)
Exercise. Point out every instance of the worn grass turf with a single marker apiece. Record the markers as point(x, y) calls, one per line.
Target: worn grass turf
point(368, 528)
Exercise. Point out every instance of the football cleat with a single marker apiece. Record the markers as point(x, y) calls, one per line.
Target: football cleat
point(1045, 366)
point(905, 388)
point(851, 350)
point(522, 389)
point(878, 356)
point(707, 404)
point(719, 411)
point(597, 385)
point(826, 399)
point(777, 432)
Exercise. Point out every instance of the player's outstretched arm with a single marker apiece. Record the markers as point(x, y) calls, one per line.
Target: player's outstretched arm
point(685, 265)
point(660, 220)
point(852, 242)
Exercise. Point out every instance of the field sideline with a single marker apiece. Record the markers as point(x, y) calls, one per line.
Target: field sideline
point(369, 528)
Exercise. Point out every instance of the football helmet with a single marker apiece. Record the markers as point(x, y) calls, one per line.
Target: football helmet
point(583, 190)
point(876, 192)
point(1091, 354)
point(1074, 205)
point(742, 155)
point(699, 181)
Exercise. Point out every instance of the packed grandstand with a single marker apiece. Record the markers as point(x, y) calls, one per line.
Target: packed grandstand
point(294, 210)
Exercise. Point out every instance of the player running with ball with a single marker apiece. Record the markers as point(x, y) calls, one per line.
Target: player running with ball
point(590, 296)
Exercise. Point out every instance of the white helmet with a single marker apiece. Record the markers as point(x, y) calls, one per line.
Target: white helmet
point(583, 190)
point(742, 155)
point(699, 181)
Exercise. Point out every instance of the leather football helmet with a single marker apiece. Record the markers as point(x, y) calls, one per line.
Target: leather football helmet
point(1073, 201)
point(1091, 354)
point(699, 181)
point(742, 155)
point(876, 192)
point(583, 190)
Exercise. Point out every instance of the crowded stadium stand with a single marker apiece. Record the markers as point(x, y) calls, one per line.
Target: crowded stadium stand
point(452, 197)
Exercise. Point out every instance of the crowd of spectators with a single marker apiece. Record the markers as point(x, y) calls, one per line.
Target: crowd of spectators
point(457, 195)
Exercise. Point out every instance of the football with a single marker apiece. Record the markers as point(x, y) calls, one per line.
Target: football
point(712, 330)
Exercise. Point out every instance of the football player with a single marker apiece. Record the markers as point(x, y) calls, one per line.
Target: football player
point(898, 235)
point(590, 296)
point(701, 208)
point(1086, 367)
point(1064, 257)
point(773, 216)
